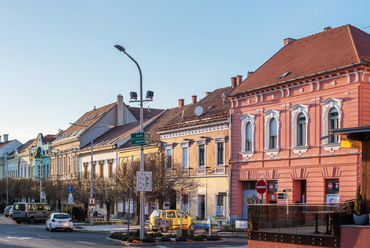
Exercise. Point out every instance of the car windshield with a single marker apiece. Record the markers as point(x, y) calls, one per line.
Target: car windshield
point(156, 213)
point(61, 216)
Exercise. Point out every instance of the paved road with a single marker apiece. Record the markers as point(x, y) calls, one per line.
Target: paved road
point(13, 235)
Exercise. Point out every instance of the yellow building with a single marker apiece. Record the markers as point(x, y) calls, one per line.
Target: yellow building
point(199, 140)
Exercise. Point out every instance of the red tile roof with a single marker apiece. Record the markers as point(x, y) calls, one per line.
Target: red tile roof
point(215, 108)
point(26, 146)
point(331, 49)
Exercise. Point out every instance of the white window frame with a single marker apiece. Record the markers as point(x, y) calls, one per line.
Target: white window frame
point(216, 205)
point(185, 144)
point(245, 119)
point(220, 168)
point(269, 115)
point(167, 148)
point(199, 143)
point(296, 111)
point(327, 105)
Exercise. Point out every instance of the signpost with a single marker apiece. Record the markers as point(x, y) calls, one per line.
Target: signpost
point(140, 138)
point(91, 202)
point(70, 188)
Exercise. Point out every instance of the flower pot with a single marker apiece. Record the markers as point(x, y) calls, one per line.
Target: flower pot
point(255, 225)
point(362, 219)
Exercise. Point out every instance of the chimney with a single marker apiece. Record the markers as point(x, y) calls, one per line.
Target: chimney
point(207, 93)
point(194, 99)
point(233, 82)
point(119, 110)
point(6, 137)
point(181, 103)
point(288, 40)
point(327, 28)
point(249, 73)
point(238, 79)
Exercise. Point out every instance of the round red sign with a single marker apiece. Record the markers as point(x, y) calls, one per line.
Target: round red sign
point(261, 187)
point(271, 186)
point(330, 185)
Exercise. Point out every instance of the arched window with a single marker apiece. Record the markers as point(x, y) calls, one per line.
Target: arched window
point(301, 130)
point(333, 124)
point(273, 134)
point(248, 137)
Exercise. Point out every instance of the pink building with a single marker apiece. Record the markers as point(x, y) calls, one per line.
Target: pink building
point(280, 112)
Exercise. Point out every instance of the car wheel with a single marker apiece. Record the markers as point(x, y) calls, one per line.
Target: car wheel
point(51, 230)
point(165, 229)
point(32, 220)
point(18, 222)
point(71, 230)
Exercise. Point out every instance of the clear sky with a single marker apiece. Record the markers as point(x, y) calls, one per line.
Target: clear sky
point(58, 61)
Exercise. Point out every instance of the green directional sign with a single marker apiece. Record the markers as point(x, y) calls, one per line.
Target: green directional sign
point(140, 138)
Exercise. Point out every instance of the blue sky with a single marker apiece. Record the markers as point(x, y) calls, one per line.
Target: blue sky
point(58, 61)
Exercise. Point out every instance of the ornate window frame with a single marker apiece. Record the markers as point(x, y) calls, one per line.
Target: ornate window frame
point(327, 105)
point(269, 115)
point(185, 144)
point(220, 168)
point(168, 147)
point(245, 119)
point(202, 169)
point(296, 111)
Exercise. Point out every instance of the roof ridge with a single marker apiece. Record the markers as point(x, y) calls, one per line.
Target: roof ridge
point(353, 43)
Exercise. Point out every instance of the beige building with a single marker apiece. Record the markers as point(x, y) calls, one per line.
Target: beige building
point(199, 139)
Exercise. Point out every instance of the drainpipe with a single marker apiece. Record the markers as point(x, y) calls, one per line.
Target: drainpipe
point(230, 164)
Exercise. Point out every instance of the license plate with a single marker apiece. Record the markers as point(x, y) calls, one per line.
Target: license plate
point(62, 222)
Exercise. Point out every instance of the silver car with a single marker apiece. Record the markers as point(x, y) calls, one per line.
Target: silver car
point(59, 221)
point(8, 211)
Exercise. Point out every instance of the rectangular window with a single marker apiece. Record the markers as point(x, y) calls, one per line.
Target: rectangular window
point(109, 168)
point(220, 204)
point(220, 153)
point(168, 157)
point(201, 155)
point(185, 155)
point(101, 163)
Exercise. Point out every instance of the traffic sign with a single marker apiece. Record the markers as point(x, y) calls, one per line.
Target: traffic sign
point(182, 192)
point(92, 202)
point(261, 186)
point(143, 181)
point(140, 138)
point(70, 188)
point(43, 195)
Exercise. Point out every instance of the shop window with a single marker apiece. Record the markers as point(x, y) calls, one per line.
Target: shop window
point(220, 200)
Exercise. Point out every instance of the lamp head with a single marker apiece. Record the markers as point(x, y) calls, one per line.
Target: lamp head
point(149, 95)
point(120, 48)
point(133, 96)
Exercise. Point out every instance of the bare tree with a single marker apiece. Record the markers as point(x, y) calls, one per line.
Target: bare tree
point(165, 179)
point(106, 191)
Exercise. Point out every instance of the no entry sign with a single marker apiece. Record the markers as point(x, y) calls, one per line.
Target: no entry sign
point(261, 187)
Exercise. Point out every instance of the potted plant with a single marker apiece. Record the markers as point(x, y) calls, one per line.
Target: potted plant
point(254, 212)
point(360, 218)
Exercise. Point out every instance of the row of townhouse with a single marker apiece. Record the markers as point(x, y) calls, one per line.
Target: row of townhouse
point(267, 126)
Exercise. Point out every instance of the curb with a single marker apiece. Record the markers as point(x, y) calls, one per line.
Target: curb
point(164, 243)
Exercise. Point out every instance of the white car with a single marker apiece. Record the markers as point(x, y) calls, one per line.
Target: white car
point(59, 221)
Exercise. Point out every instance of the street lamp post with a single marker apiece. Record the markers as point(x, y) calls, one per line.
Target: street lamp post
point(91, 164)
point(133, 96)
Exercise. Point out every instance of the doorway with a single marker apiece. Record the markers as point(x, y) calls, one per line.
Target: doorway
point(201, 206)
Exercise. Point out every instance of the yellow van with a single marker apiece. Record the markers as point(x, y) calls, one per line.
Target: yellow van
point(164, 220)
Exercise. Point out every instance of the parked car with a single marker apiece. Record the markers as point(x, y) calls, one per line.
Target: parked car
point(164, 220)
point(59, 221)
point(7, 211)
point(11, 212)
point(30, 212)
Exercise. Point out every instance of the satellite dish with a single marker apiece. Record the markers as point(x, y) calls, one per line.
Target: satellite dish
point(198, 111)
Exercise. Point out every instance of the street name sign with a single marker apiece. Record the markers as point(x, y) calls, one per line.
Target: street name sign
point(281, 196)
point(140, 138)
point(143, 181)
